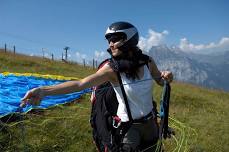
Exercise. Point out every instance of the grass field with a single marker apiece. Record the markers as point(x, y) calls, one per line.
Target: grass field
point(198, 115)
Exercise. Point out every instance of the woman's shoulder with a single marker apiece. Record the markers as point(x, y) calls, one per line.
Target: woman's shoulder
point(108, 72)
point(105, 67)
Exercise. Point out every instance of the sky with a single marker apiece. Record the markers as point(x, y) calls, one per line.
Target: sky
point(35, 27)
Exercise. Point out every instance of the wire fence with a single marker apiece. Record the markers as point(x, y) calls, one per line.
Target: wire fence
point(51, 56)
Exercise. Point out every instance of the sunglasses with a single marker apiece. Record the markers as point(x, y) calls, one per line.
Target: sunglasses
point(114, 38)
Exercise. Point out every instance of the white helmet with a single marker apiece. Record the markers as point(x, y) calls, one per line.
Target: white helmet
point(126, 31)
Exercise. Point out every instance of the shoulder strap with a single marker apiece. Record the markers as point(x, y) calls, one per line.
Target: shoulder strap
point(125, 97)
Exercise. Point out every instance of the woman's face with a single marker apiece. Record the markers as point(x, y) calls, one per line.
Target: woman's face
point(115, 41)
point(114, 47)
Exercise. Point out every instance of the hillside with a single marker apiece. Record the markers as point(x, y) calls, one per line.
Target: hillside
point(21, 63)
point(198, 115)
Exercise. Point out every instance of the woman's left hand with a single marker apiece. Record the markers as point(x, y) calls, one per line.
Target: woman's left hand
point(167, 75)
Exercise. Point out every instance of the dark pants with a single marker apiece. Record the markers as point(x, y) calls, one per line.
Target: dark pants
point(141, 136)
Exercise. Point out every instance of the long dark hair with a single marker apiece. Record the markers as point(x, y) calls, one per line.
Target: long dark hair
point(129, 62)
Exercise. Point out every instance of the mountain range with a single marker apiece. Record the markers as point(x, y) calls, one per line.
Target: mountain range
point(208, 70)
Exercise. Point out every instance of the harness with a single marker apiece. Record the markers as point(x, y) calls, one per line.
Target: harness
point(121, 128)
point(112, 123)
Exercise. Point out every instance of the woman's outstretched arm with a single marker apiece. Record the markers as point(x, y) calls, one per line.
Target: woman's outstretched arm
point(35, 95)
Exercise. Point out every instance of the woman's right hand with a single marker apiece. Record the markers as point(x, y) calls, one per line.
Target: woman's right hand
point(33, 97)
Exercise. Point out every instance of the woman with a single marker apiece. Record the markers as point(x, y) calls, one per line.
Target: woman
point(136, 75)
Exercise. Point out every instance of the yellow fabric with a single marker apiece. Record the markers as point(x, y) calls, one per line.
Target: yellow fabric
point(46, 76)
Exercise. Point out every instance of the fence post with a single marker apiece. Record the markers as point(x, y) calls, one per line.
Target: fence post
point(5, 47)
point(43, 52)
point(14, 49)
point(84, 64)
point(93, 64)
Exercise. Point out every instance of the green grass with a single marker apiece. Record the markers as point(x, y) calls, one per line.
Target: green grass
point(198, 115)
point(22, 64)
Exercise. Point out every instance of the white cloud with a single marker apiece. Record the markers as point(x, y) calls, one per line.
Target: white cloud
point(222, 45)
point(46, 55)
point(101, 55)
point(80, 57)
point(78, 54)
point(152, 39)
point(83, 56)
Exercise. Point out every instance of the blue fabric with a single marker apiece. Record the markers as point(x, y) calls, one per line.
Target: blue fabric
point(13, 89)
